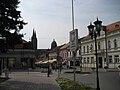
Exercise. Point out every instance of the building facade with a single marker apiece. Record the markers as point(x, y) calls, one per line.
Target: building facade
point(22, 57)
point(64, 53)
point(108, 48)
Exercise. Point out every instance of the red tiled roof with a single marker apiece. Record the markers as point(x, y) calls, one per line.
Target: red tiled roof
point(86, 37)
point(111, 27)
point(65, 46)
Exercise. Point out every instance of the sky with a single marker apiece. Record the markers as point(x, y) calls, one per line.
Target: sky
point(52, 19)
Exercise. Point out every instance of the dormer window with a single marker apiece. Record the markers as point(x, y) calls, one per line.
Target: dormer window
point(116, 26)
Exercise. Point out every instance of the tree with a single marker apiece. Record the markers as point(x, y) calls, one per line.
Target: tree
point(11, 22)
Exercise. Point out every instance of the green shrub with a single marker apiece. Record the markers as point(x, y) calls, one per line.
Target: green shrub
point(67, 84)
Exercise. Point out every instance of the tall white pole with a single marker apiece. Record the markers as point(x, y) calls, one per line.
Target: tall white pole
point(72, 15)
point(74, 52)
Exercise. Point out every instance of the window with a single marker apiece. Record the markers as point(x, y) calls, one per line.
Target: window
point(110, 59)
point(70, 53)
point(105, 60)
point(92, 59)
point(115, 43)
point(88, 60)
point(84, 60)
point(83, 49)
point(79, 52)
point(81, 61)
point(91, 48)
point(116, 58)
point(109, 44)
point(117, 26)
point(99, 47)
point(87, 49)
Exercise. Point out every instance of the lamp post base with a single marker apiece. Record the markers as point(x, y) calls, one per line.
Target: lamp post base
point(97, 88)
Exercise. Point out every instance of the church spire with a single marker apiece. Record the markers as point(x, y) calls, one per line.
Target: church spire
point(34, 33)
point(34, 40)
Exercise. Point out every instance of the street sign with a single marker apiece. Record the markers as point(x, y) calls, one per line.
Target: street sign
point(74, 40)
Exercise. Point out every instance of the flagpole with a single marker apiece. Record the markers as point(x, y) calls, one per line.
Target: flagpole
point(72, 15)
point(74, 52)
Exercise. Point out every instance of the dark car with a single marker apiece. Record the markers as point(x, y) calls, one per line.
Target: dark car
point(119, 70)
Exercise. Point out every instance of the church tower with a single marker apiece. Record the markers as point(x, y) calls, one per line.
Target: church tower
point(34, 40)
point(53, 44)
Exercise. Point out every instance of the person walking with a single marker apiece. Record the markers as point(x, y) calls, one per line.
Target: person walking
point(6, 72)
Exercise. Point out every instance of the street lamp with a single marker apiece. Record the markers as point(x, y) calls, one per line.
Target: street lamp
point(94, 32)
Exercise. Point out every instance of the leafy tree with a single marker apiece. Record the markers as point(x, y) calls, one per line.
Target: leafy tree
point(11, 22)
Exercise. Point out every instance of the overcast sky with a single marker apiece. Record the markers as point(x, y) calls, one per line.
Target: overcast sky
point(51, 19)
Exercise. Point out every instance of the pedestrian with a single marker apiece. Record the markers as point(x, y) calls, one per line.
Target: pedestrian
point(50, 69)
point(6, 72)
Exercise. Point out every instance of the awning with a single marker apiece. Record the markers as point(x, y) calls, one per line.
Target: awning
point(44, 62)
point(64, 62)
point(54, 60)
point(39, 62)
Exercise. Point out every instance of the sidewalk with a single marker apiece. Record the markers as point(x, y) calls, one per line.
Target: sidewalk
point(31, 81)
point(89, 70)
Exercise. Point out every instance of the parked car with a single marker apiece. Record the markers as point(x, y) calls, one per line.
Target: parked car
point(119, 70)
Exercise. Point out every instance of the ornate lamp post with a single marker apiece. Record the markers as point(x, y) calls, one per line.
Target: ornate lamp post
point(94, 32)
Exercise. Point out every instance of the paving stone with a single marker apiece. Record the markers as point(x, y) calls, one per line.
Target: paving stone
point(31, 81)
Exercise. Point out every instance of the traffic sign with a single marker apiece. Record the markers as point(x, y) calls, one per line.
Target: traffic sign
point(74, 40)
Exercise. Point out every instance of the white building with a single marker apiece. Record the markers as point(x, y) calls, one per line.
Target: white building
point(113, 48)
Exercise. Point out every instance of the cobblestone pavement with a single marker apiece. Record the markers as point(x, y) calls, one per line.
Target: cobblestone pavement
point(31, 81)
